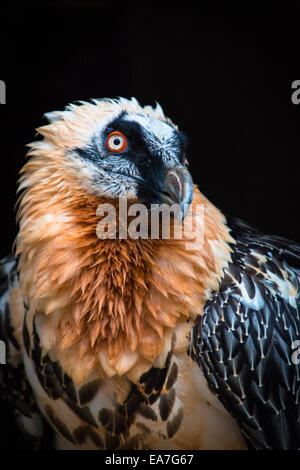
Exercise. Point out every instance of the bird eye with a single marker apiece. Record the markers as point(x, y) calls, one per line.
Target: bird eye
point(116, 142)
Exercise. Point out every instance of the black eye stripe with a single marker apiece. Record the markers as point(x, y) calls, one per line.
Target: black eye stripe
point(137, 151)
point(131, 130)
point(135, 132)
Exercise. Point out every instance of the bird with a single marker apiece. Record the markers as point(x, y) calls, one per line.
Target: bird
point(142, 342)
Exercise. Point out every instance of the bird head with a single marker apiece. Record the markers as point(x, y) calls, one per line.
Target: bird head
point(119, 149)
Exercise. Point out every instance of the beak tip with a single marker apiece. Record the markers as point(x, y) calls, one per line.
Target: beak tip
point(179, 186)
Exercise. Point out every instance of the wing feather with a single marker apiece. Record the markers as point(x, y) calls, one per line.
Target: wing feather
point(17, 400)
point(245, 340)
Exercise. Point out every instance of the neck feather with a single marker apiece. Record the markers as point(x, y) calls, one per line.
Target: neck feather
point(109, 306)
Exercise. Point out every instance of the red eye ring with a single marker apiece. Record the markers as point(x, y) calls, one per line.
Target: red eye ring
point(116, 142)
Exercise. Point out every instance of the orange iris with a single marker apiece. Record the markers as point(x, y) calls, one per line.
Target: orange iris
point(116, 142)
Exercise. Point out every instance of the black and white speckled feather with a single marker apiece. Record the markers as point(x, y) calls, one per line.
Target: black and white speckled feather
point(246, 338)
point(94, 416)
point(15, 390)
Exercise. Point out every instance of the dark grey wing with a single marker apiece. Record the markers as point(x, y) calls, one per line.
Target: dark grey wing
point(248, 340)
point(24, 425)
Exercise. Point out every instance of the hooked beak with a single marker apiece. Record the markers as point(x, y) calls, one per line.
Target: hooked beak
point(178, 189)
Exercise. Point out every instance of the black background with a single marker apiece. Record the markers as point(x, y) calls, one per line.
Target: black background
point(222, 72)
